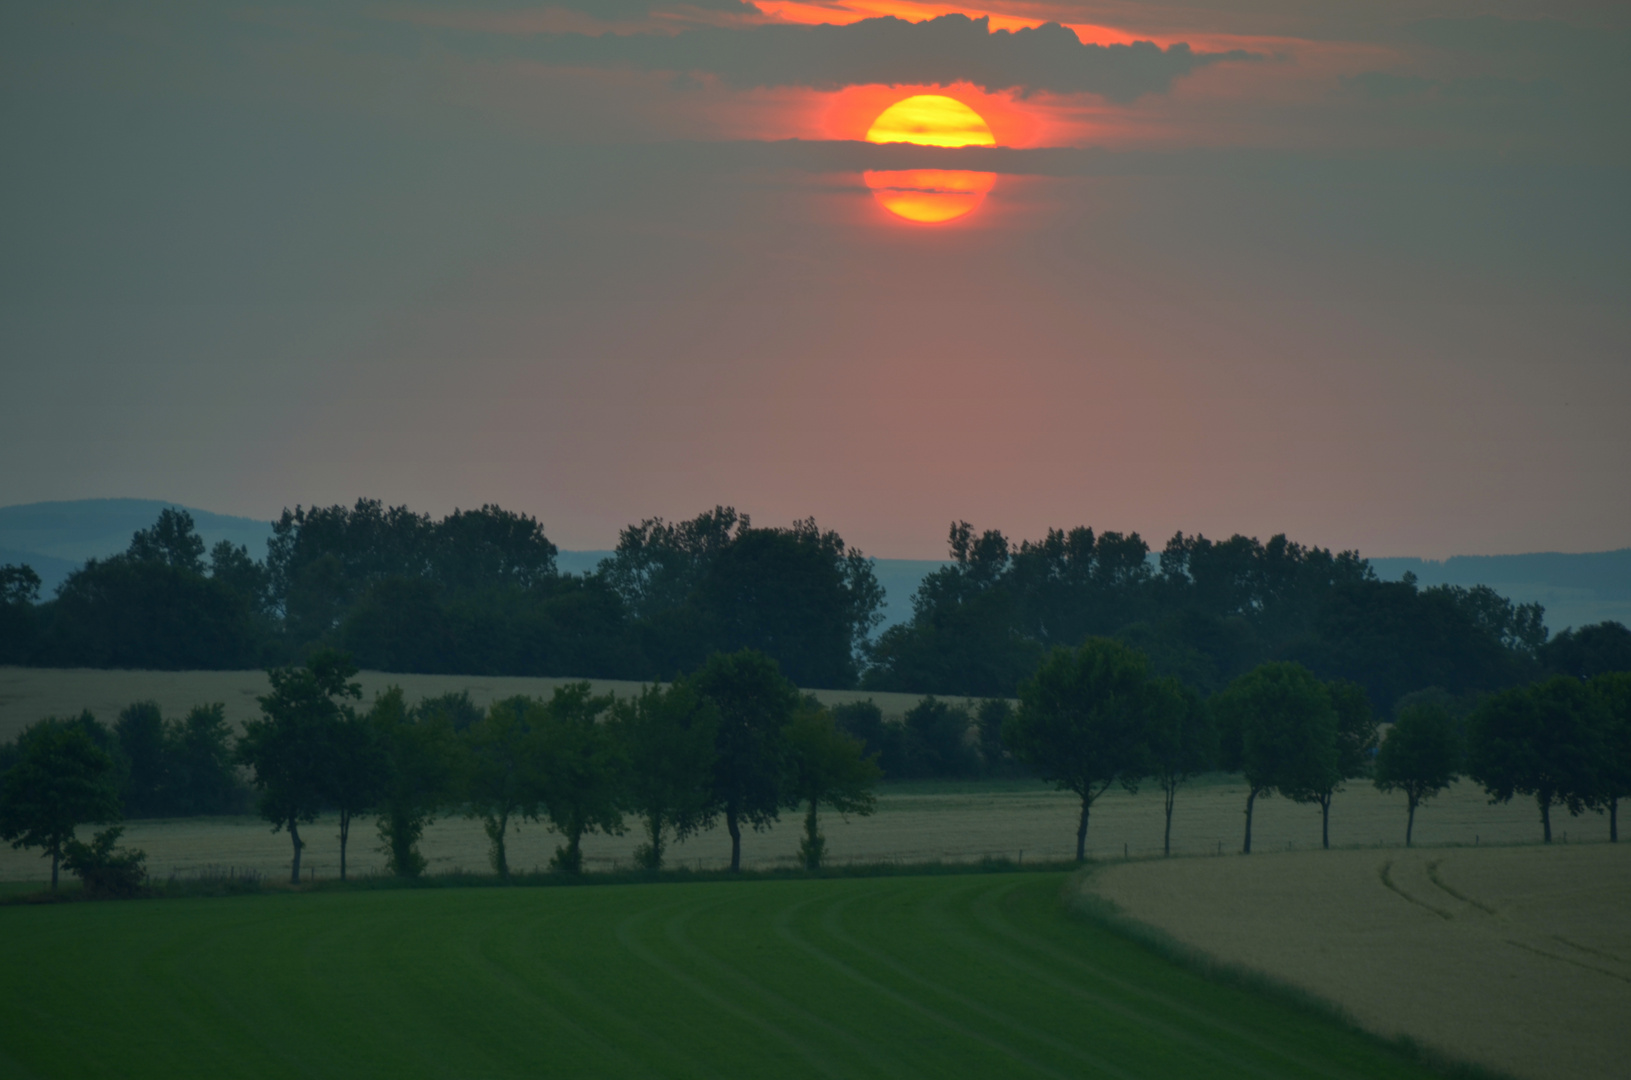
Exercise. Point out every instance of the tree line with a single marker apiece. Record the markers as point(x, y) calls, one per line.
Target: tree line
point(735, 742)
point(479, 593)
point(1096, 716)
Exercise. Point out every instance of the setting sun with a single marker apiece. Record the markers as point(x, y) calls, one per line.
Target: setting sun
point(930, 196)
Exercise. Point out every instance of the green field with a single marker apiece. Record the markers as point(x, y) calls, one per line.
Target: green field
point(977, 975)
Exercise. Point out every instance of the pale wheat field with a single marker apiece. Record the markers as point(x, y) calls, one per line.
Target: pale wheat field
point(1517, 958)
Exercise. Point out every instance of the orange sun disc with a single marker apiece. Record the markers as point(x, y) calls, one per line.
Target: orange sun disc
point(930, 196)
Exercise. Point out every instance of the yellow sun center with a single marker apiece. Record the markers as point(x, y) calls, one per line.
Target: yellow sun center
point(930, 196)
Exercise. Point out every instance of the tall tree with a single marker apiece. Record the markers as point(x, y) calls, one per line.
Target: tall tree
point(1420, 757)
point(285, 747)
point(1080, 720)
point(203, 775)
point(826, 767)
point(1355, 744)
point(147, 786)
point(754, 701)
point(419, 752)
point(1181, 742)
point(1613, 689)
point(354, 770)
point(504, 772)
point(668, 737)
point(1278, 729)
point(61, 780)
point(1545, 740)
point(582, 771)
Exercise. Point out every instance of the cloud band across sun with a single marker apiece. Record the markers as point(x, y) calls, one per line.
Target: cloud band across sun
point(887, 51)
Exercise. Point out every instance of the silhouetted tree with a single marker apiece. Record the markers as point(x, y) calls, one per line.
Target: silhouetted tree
point(1613, 689)
point(935, 740)
point(1545, 740)
point(583, 771)
point(147, 786)
point(1180, 741)
point(826, 767)
point(419, 755)
point(61, 780)
point(1420, 757)
point(1080, 720)
point(667, 736)
point(285, 747)
point(754, 701)
point(1355, 744)
point(504, 771)
point(1277, 727)
point(1589, 651)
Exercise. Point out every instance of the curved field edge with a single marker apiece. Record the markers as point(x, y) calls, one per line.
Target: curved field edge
point(901, 976)
point(1090, 907)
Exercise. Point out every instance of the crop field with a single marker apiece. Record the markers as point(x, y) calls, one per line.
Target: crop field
point(977, 975)
point(28, 694)
point(1518, 958)
point(950, 822)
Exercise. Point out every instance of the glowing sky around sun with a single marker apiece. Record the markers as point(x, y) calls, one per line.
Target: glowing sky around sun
point(1354, 272)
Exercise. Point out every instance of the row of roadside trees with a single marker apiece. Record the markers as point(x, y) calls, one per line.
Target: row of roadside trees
point(735, 742)
point(1094, 717)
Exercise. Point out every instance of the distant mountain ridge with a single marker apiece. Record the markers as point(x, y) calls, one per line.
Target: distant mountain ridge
point(56, 537)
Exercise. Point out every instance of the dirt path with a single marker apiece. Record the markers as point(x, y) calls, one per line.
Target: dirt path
point(1518, 958)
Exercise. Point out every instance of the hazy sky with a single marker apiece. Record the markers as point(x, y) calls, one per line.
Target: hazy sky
point(1360, 273)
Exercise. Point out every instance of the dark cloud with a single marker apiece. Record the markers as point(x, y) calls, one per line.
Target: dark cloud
point(890, 51)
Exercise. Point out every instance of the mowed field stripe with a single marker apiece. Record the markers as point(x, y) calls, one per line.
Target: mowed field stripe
point(904, 977)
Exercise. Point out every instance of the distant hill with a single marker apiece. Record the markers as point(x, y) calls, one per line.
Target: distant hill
point(56, 537)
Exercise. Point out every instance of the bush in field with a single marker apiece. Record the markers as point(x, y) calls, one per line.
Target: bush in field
point(1277, 727)
point(1545, 740)
point(1420, 757)
point(108, 873)
point(1080, 722)
point(61, 780)
point(1614, 691)
point(667, 737)
point(826, 767)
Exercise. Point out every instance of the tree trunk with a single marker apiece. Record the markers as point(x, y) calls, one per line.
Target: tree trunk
point(735, 829)
point(294, 867)
point(1081, 829)
point(1325, 821)
point(1166, 839)
point(812, 839)
point(1410, 822)
point(1545, 815)
point(56, 856)
point(1251, 797)
point(345, 831)
point(1614, 819)
point(654, 827)
point(496, 828)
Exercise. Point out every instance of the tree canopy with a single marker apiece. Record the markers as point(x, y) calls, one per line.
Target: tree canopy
point(60, 781)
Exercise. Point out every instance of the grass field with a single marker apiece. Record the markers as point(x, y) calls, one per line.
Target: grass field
point(977, 975)
point(1516, 957)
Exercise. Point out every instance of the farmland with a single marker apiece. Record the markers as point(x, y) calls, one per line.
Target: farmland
point(973, 975)
point(29, 694)
point(1518, 958)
